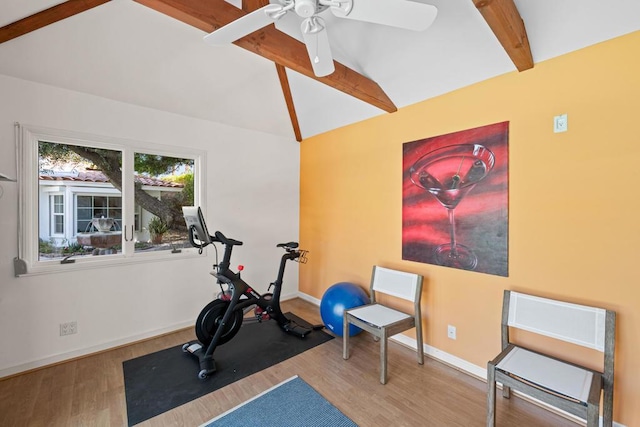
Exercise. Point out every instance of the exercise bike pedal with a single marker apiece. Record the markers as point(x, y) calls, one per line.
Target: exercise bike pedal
point(294, 329)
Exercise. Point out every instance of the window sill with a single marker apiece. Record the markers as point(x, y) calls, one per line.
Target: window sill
point(101, 261)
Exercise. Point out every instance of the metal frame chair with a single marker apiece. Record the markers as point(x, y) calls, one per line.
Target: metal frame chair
point(567, 386)
point(382, 321)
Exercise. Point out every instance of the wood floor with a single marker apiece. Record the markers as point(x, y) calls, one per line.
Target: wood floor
point(90, 391)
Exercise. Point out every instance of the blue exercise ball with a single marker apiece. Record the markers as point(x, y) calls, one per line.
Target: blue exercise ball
point(338, 298)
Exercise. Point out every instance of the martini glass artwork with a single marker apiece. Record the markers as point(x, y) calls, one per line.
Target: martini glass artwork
point(449, 173)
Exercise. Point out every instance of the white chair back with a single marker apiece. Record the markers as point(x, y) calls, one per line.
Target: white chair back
point(396, 283)
point(577, 324)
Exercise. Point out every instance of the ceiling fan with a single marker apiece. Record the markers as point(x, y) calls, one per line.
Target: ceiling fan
point(396, 13)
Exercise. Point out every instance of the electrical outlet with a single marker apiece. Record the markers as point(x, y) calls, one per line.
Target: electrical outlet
point(68, 328)
point(451, 332)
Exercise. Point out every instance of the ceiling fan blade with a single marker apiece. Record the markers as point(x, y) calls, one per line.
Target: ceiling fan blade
point(395, 13)
point(314, 34)
point(246, 25)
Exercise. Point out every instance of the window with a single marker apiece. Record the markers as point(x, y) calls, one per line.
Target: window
point(90, 207)
point(169, 181)
point(101, 200)
point(57, 214)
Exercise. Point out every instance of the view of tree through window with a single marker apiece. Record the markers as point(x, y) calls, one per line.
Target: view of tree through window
point(80, 201)
point(163, 185)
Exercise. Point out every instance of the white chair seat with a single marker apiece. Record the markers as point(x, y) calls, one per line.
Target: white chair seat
point(379, 315)
point(552, 374)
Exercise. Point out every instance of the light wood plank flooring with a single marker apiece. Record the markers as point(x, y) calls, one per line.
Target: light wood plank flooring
point(90, 391)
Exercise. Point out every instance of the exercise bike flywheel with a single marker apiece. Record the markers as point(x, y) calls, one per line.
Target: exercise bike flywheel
point(210, 319)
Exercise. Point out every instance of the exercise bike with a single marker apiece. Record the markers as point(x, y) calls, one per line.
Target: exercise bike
point(221, 319)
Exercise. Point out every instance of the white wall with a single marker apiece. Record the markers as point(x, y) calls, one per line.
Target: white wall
point(252, 195)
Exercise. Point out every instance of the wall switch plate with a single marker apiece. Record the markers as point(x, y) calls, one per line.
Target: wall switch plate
point(560, 123)
point(451, 332)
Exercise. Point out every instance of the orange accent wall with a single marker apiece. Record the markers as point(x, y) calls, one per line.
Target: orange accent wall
point(574, 202)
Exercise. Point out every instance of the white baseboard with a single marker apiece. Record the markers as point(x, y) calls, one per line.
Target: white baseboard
point(292, 295)
point(61, 357)
point(466, 367)
point(309, 298)
point(449, 359)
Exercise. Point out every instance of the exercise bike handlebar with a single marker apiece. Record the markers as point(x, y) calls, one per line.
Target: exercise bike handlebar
point(219, 237)
point(291, 248)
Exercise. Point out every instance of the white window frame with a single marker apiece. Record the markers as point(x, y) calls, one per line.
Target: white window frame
point(28, 173)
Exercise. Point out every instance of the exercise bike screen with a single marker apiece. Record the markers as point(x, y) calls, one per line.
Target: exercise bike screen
point(193, 217)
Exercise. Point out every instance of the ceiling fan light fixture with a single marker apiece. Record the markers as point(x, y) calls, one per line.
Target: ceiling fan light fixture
point(306, 8)
point(314, 34)
point(313, 25)
point(275, 11)
point(339, 8)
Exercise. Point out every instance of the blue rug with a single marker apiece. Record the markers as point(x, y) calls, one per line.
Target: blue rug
point(292, 403)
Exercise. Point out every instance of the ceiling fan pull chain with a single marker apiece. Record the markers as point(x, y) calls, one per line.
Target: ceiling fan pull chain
point(316, 59)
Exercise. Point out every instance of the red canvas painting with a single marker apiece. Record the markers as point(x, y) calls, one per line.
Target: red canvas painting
point(455, 200)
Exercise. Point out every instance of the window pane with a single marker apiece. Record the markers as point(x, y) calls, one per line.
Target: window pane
point(99, 202)
point(83, 226)
point(57, 214)
point(170, 180)
point(59, 224)
point(84, 201)
point(83, 213)
point(58, 203)
point(64, 168)
point(115, 213)
point(100, 213)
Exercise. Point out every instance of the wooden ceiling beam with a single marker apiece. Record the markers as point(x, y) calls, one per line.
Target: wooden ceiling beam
point(46, 17)
point(505, 22)
point(270, 43)
point(249, 6)
point(288, 98)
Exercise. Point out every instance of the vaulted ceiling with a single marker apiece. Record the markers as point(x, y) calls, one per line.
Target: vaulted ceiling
point(150, 53)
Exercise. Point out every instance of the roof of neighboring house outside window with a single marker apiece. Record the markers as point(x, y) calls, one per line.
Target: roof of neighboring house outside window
point(98, 176)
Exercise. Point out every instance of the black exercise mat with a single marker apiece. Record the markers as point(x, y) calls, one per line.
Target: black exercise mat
point(161, 381)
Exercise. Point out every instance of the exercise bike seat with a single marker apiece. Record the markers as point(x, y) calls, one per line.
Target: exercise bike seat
point(289, 245)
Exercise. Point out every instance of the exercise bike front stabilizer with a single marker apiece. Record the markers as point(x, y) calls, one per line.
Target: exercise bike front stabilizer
point(221, 319)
